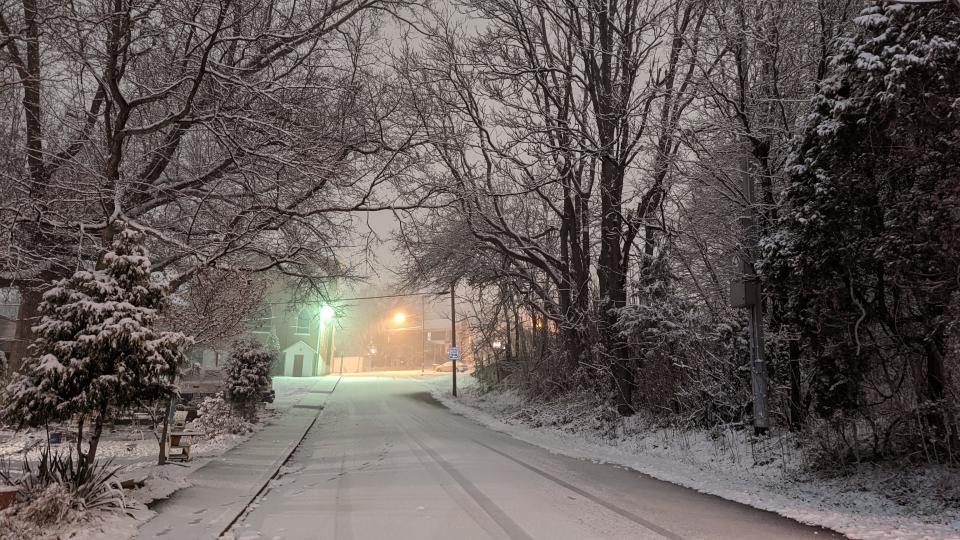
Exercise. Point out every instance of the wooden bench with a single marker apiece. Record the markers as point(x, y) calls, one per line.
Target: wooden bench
point(181, 440)
point(180, 443)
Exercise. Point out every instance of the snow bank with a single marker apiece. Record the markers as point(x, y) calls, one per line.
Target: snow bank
point(872, 503)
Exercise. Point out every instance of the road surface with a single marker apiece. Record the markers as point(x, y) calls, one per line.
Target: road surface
point(386, 461)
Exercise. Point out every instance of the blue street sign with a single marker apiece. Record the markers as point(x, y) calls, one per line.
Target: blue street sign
point(453, 353)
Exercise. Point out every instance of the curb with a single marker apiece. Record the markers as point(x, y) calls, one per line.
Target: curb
point(239, 513)
point(276, 470)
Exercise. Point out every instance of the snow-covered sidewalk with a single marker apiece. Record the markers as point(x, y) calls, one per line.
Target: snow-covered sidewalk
point(857, 505)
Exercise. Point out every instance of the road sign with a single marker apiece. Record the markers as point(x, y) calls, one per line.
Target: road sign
point(453, 353)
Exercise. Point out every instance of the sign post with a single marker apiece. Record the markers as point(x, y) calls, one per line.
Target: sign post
point(454, 352)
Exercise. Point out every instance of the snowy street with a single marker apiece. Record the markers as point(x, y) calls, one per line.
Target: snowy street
point(695, 265)
point(385, 460)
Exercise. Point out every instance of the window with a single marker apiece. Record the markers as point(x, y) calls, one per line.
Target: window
point(303, 322)
point(9, 302)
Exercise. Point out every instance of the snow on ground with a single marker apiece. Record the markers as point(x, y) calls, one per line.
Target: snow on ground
point(135, 451)
point(124, 446)
point(872, 503)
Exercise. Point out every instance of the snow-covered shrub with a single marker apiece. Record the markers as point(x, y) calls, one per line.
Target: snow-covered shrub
point(247, 377)
point(52, 504)
point(215, 417)
point(686, 363)
point(46, 514)
point(97, 349)
point(59, 487)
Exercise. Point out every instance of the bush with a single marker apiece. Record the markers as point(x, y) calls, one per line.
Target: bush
point(248, 374)
point(215, 417)
point(687, 362)
point(53, 504)
point(57, 487)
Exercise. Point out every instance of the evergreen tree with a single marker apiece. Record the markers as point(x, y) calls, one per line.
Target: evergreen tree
point(96, 349)
point(248, 374)
point(866, 249)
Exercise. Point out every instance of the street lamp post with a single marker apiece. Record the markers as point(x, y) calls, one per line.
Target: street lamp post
point(318, 365)
point(329, 358)
point(326, 314)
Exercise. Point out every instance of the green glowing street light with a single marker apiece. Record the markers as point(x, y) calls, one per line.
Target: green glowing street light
point(326, 313)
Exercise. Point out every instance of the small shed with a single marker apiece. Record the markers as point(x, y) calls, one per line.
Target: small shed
point(299, 360)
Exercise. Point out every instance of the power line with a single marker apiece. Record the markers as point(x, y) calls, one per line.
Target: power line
point(365, 298)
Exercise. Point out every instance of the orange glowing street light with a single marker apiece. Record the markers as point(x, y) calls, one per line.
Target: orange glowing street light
point(399, 317)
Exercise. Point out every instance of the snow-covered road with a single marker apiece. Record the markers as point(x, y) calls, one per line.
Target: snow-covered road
point(387, 461)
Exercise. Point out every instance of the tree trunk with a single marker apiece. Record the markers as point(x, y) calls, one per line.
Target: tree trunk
point(509, 332)
point(162, 457)
point(933, 391)
point(80, 455)
point(518, 329)
point(95, 438)
point(797, 409)
point(623, 376)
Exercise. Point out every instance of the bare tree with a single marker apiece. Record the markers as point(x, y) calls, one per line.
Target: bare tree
point(215, 306)
point(540, 114)
point(234, 133)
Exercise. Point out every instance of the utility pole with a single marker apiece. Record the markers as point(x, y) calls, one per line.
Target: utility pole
point(423, 334)
point(746, 293)
point(453, 331)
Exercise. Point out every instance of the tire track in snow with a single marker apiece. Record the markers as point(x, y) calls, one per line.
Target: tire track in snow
point(622, 512)
point(597, 500)
point(510, 527)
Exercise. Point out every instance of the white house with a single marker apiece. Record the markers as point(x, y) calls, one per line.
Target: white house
point(299, 360)
point(208, 358)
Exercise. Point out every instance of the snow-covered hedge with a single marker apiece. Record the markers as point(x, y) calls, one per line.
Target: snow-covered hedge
point(216, 417)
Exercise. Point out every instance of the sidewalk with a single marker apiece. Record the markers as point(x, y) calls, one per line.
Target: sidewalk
point(222, 488)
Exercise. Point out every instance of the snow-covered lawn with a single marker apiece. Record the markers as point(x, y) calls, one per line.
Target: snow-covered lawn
point(135, 450)
point(124, 445)
point(875, 502)
point(137, 459)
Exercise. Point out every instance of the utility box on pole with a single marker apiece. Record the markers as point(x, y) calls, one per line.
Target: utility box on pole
point(744, 293)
